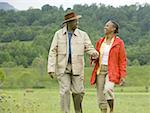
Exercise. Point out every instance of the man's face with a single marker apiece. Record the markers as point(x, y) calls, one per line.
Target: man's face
point(73, 24)
point(109, 28)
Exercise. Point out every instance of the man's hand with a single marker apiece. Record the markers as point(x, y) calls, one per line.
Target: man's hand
point(94, 56)
point(122, 81)
point(51, 74)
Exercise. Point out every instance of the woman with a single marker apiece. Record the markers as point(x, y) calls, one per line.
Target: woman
point(110, 67)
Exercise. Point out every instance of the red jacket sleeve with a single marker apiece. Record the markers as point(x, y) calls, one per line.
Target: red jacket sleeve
point(122, 60)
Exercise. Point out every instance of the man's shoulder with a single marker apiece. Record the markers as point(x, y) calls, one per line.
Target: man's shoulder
point(81, 31)
point(59, 31)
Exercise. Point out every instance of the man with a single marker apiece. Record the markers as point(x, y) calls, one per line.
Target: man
point(110, 67)
point(66, 61)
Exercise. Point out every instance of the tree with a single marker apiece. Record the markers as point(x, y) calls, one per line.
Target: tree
point(46, 7)
point(38, 27)
point(4, 57)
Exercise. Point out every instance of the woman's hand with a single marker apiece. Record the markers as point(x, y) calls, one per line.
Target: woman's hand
point(122, 81)
point(94, 56)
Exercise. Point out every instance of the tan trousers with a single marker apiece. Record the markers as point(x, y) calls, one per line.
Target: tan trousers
point(104, 88)
point(71, 83)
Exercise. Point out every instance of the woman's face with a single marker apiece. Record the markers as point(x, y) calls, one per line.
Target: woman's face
point(109, 28)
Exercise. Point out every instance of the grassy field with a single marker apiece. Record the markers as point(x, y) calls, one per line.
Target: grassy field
point(19, 77)
point(47, 101)
point(134, 97)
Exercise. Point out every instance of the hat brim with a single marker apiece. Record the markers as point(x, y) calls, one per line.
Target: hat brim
point(74, 18)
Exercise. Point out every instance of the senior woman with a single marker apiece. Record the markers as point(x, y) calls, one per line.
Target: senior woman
point(110, 67)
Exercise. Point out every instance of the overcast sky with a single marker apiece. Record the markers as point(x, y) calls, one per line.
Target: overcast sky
point(25, 4)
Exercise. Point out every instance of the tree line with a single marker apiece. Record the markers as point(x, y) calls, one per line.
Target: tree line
point(25, 36)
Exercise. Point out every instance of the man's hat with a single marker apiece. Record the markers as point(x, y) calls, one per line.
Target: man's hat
point(71, 16)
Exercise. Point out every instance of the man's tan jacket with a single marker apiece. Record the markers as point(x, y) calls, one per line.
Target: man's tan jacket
point(59, 51)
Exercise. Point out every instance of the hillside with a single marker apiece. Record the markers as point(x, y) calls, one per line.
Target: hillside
point(6, 6)
point(39, 25)
point(36, 76)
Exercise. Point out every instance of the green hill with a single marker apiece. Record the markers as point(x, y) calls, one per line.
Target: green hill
point(39, 26)
point(37, 77)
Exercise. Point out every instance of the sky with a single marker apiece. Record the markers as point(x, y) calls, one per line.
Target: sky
point(25, 4)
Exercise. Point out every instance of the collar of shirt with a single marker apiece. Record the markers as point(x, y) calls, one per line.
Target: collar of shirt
point(76, 32)
point(112, 40)
point(101, 52)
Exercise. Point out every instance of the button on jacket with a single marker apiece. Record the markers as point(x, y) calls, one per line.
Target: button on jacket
point(59, 51)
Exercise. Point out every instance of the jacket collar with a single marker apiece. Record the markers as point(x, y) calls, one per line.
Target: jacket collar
point(103, 40)
point(116, 41)
point(76, 32)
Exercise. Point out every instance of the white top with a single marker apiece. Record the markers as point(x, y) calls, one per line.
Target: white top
point(106, 54)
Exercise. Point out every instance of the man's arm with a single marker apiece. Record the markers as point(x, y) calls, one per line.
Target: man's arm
point(52, 55)
point(89, 48)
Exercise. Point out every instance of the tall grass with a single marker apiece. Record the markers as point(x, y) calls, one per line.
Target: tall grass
point(47, 101)
point(19, 77)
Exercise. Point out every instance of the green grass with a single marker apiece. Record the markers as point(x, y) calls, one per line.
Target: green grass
point(19, 77)
point(136, 75)
point(47, 101)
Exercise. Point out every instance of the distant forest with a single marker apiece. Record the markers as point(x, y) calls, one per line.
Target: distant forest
point(25, 36)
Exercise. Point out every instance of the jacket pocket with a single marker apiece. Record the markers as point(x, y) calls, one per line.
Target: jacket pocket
point(78, 48)
point(78, 64)
point(62, 47)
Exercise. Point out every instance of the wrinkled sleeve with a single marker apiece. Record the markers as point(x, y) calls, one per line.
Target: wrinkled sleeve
point(53, 54)
point(89, 48)
point(122, 60)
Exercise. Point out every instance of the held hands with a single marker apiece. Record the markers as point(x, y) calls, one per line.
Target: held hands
point(51, 74)
point(122, 81)
point(95, 56)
